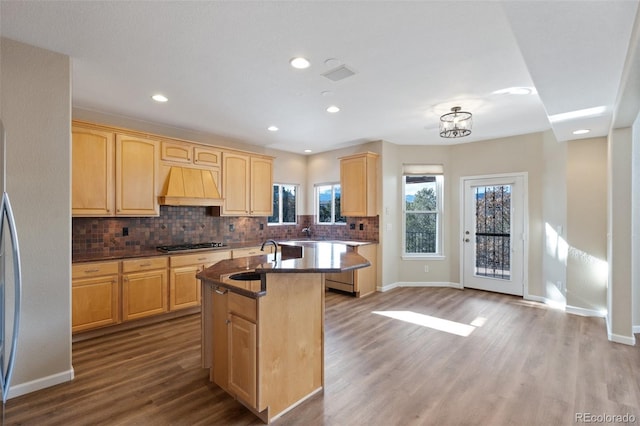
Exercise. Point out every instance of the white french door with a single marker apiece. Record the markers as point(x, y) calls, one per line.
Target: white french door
point(493, 237)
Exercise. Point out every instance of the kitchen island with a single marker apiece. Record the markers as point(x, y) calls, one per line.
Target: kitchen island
point(263, 335)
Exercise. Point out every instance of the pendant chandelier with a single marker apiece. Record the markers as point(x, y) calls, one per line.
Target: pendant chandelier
point(455, 124)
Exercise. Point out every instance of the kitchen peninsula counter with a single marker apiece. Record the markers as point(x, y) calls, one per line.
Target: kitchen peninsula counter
point(297, 257)
point(263, 340)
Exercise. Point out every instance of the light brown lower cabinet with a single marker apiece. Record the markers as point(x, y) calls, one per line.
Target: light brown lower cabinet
point(184, 287)
point(267, 352)
point(360, 282)
point(144, 292)
point(95, 289)
point(242, 359)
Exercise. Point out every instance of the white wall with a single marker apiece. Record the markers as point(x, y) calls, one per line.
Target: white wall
point(36, 110)
point(554, 216)
point(507, 155)
point(619, 247)
point(635, 226)
point(587, 224)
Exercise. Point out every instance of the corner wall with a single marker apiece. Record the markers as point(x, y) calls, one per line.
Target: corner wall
point(619, 253)
point(586, 229)
point(36, 110)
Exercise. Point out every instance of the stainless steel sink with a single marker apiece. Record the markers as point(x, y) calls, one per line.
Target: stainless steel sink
point(245, 276)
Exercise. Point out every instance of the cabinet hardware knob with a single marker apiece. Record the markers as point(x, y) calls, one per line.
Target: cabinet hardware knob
point(228, 321)
point(217, 290)
point(202, 258)
point(145, 264)
point(89, 271)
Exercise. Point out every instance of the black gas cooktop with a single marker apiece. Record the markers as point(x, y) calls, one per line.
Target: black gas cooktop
point(190, 247)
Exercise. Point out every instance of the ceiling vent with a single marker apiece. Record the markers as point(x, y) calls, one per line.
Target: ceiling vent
point(339, 73)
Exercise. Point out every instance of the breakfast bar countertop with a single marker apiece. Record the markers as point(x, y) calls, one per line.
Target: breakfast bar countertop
point(316, 257)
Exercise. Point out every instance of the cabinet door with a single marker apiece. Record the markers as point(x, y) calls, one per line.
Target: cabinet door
point(176, 152)
point(203, 156)
point(144, 294)
point(136, 176)
point(236, 183)
point(358, 181)
point(184, 288)
point(353, 172)
point(95, 302)
point(261, 186)
point(242, 359)
point(92, 173)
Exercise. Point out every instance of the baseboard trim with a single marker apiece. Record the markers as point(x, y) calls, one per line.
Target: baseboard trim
point(585, 312)
point(41, 383)
point(625, 340)
point(418, 284)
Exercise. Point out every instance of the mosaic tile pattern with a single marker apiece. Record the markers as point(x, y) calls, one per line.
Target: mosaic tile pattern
point(103, 237)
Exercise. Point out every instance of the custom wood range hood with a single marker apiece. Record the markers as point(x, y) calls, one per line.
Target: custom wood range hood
point(186, 186)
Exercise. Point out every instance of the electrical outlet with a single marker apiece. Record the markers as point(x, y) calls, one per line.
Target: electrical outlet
point(426, 268)
point(125, 231)
point(262, 226)
point(352, 226)
point(232, 228)
point(362, 226)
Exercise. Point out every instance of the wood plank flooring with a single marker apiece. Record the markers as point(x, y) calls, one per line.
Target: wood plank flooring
point(521, 364)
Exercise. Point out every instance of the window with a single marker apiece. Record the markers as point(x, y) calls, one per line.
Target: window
point(422, 198)
point(284, 205)
point(328, 204)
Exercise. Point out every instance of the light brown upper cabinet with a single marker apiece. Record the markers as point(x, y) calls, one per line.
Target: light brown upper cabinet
point(358, 181)
point(136, 176)
point(92, 172)
point(247, 185)
point(113, 174)
point(178, 152)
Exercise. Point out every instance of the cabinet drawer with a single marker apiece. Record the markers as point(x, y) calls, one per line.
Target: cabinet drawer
point(250, 251)
point(345, 277)
point(144, 264)
point(243, 306)
point(86, 270)
point(203, 258)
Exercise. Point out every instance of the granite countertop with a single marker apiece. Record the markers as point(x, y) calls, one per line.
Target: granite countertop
point(152, 251)
point(316, 257)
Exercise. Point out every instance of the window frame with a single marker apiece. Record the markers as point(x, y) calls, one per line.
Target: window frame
point(316, 206)
point(280, 222)
point(439, 211)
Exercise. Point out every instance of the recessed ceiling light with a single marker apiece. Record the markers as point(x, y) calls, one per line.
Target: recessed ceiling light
point(333, 109)
point(307, 151)
point(587, 112)
point(159, 98)
point(300, 63)
point(516, 91)
point(581, 131)
point(326, 93)
point(272, 128)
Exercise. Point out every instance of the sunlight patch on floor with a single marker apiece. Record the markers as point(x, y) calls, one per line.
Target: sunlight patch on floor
point(435, 323)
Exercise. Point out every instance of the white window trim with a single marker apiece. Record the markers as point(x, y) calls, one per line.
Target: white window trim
point(316, 204)
point(281, 223)
point(439, 255)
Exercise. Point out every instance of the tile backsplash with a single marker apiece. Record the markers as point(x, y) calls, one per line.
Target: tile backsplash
point(105, 237)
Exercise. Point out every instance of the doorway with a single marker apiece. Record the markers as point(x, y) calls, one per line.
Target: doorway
point(493, 237)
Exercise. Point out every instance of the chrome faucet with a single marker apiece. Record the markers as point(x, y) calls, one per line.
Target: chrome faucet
point(307, 231)
point(275, 246)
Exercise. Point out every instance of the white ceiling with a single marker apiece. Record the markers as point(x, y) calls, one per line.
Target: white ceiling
point(224, 65)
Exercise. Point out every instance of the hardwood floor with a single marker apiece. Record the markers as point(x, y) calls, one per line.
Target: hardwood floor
point(521, 364)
